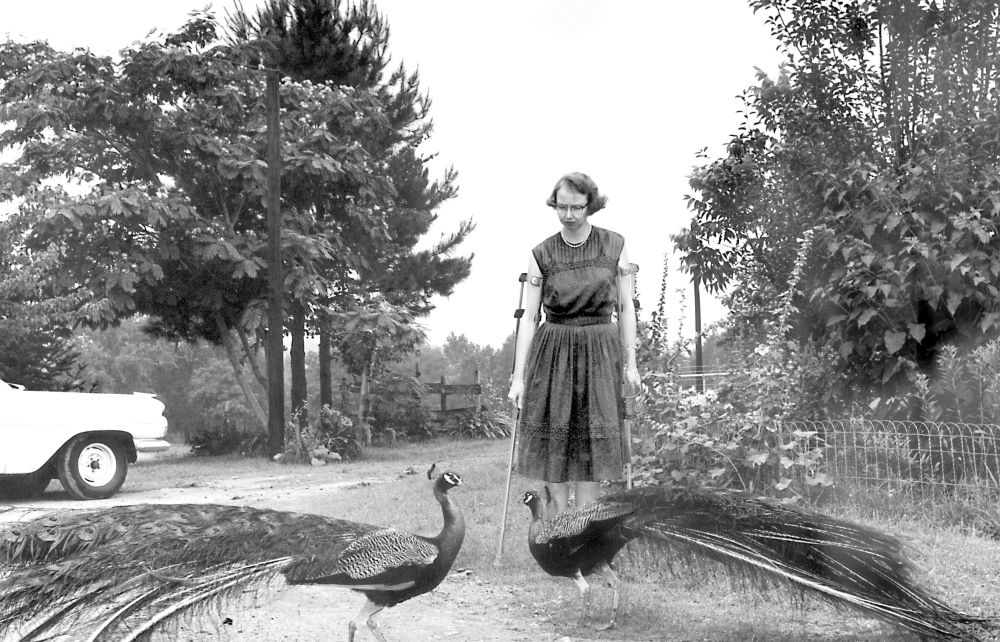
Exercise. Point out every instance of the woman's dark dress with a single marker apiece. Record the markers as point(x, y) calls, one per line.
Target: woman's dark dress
point(570, 423)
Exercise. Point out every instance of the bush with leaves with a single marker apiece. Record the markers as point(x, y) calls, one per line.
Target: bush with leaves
point(732, 436)
point(964, 387)
point(332, 435)
point(964, 392)
point(398, 408)
point(225, 437)
point(478, 424)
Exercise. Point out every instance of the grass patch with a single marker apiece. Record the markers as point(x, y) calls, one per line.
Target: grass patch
point(960, 564)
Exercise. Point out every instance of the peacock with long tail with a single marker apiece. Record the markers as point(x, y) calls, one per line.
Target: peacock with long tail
point(771, 543)
point(122, 572)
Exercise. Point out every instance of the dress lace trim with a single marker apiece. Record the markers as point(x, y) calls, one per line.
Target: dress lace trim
point(561, 431)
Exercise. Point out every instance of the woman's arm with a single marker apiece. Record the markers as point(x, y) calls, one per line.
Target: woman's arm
point(627, 319)
point(526, 330)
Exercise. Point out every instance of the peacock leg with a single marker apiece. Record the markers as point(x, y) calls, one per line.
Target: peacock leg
point(612, 579)
point(584, 588)
point(367, 613)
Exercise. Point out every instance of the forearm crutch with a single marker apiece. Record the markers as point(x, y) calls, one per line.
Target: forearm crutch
point(629, 394)
point(518, 313)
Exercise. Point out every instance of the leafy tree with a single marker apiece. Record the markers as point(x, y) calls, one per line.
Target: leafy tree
point(459, 358)
point(165, 144)
point(35, 346)
point(124, 359)
point(324, 42)
point(188, 377)
point(462, 356)
point(426, 362)
point(380, 327)
point(38, 358)
point(315, 41)
point(879, 137)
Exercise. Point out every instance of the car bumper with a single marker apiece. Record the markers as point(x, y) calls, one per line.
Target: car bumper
point(151, 445)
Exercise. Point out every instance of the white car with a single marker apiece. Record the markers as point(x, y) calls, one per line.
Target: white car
point(86, 440)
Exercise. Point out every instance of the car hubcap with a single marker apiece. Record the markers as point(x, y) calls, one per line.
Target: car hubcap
point(97, 465)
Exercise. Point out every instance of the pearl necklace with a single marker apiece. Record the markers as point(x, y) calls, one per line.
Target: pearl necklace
point(578, 243)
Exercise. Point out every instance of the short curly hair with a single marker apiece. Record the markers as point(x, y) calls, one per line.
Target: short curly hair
point(582, 184)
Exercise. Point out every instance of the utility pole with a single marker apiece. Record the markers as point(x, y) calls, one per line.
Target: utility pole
point(699, 378)
point(276, 279)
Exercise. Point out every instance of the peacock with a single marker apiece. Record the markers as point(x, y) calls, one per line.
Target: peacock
point(844, 563)
point(121, 572)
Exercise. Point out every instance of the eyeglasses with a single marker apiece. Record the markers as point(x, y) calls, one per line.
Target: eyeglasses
point(575, 208)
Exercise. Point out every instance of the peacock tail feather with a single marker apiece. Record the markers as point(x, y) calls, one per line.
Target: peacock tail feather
point(841, 562)
point(764, 541)
point(88, 566)
point(118, 573)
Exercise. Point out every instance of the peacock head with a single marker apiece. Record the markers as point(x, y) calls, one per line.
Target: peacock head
point(446, 481)
point(533, 502)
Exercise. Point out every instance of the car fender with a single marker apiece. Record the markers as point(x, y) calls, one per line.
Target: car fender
point(35, 425)
point(30, 453)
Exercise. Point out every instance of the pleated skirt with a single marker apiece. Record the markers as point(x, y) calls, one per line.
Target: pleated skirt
point(570, 422)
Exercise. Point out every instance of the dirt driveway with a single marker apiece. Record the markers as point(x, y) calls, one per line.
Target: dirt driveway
point(463, 608)
point(476, 602)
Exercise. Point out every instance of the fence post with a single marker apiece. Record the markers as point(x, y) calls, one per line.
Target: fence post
point(478, 403)
point(444, 396)
point(344, 396)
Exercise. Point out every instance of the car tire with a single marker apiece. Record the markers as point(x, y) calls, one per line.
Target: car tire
point(23, 486)
point(92, 466)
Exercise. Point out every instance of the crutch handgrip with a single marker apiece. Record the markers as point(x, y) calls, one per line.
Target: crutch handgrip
point(519, 312)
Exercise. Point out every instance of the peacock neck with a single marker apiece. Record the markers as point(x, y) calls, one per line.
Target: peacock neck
point(453, 531)
point(537, 517)
point(449, 540)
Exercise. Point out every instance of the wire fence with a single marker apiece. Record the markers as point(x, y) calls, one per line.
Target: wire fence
point(915, 458)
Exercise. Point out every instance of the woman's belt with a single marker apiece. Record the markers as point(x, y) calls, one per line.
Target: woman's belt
point(566, 319)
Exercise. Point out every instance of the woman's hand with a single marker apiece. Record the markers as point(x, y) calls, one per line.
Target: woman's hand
point(632, 376)
point(516, 393)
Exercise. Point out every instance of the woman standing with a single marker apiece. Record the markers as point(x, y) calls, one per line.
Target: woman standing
point(568, 374)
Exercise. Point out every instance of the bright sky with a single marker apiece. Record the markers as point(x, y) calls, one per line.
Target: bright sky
point(523, 92)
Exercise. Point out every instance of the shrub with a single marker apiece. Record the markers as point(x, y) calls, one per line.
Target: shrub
point(714, 439)
point(732, 437)
point(331, 432)
point(398, 409)
point(481, 424)
point(229, 436)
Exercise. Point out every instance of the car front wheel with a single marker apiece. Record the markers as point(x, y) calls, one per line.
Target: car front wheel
point(92, 467)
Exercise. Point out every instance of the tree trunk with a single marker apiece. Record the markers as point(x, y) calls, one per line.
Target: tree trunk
point(300, 395)
point(229, 342)
point(363, 431)
point(275, 276)
point(251, 354)
point(325, 378)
